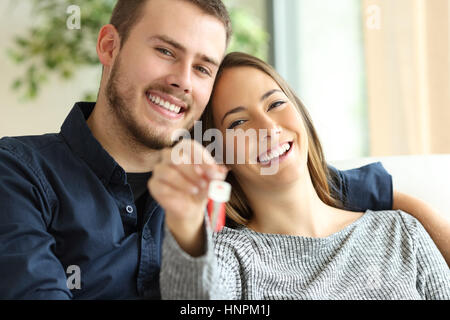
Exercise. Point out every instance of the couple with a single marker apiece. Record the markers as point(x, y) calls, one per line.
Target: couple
point(74, 206)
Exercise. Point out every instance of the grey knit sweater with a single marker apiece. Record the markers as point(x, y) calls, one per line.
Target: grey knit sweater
point(382, 255)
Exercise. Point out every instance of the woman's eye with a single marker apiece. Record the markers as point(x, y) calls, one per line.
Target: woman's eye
point(236, 123)
point(276, 104)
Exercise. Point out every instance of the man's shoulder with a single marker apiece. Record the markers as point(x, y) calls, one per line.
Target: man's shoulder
point(34, 154)
point(27, 146)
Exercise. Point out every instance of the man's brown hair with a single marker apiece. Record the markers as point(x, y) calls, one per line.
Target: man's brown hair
point(127, 13)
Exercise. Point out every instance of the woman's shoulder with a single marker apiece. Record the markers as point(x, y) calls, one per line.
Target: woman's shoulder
point(234, 243)
point(394, 220)
point(392, 215)
point(232, 237)
point(242, 240)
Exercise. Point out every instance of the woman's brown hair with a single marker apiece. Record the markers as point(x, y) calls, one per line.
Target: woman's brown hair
point(237, 208)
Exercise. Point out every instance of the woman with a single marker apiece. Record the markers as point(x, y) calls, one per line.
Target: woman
point(292, 239)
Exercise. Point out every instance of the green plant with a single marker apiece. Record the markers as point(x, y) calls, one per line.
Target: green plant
point(51, 48)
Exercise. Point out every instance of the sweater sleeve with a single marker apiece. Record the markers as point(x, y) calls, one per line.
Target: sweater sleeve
point(208, 277)
point(433, 274)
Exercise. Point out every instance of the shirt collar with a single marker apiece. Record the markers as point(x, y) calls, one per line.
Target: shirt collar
point(83, 143)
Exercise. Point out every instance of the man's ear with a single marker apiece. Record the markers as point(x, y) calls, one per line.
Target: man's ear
point(108, 45)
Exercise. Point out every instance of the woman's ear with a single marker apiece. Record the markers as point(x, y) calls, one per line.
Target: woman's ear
point(108, 45)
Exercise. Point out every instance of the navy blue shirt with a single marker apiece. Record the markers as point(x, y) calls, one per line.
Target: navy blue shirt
point(64, 202)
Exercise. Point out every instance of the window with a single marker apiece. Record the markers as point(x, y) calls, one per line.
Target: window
point(318, 48)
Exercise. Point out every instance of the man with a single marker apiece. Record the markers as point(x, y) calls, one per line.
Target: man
point(76, 219)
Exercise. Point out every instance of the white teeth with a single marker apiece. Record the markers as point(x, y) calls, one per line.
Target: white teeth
point(165, 104)
point(275, 153)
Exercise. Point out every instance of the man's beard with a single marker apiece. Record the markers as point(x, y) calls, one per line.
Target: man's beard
point(122, 106)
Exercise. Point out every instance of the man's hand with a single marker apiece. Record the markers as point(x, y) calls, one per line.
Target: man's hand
point(181, 187)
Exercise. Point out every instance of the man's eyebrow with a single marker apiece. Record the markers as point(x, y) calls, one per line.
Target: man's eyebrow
point(168, 40)
point(182, 48)
point(210, 60)
point(235, 110)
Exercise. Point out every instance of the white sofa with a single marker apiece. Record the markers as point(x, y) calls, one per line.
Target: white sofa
point(424, 176)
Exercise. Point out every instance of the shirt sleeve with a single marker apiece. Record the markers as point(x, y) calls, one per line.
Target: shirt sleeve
point(360, 189)
point(29, 268)
point(208, 277)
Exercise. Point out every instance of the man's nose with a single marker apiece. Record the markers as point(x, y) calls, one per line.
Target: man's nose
point(180, 77)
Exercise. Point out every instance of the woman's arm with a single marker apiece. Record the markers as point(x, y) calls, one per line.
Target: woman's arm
point(434, 223)
point(207, 277)
point(189, 267)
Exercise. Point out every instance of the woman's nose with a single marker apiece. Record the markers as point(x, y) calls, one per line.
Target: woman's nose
point(269, 134)
point(269, 128)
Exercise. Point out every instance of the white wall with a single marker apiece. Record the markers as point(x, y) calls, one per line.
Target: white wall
point(319, 51)
point(54, 102)
point(426, 177)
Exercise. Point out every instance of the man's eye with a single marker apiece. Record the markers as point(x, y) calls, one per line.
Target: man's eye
point(203, 70)
point(164, 51)
point(276, 104)
point(236, 123)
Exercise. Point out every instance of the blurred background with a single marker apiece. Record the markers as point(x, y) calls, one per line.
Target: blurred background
point(374, 74)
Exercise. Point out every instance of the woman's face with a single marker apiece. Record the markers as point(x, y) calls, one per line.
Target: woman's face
point(251, 104)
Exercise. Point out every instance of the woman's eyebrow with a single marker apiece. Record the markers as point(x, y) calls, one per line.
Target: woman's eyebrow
point(269, 93)
point(235, 110)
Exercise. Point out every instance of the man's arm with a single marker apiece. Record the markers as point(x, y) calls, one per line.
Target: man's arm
point(367, 187)
point(437, 225)
point(28, 267)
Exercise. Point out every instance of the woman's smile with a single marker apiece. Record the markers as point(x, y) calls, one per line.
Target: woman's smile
point(277, 154)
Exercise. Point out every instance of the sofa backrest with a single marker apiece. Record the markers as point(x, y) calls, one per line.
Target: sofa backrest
point(426, 177)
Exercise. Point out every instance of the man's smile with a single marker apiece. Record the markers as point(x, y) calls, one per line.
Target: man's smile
point(166, 105)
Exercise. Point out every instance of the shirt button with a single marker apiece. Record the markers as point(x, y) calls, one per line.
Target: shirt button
point(129, 209)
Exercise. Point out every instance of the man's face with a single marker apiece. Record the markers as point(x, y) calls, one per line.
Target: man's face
point(163, 76)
